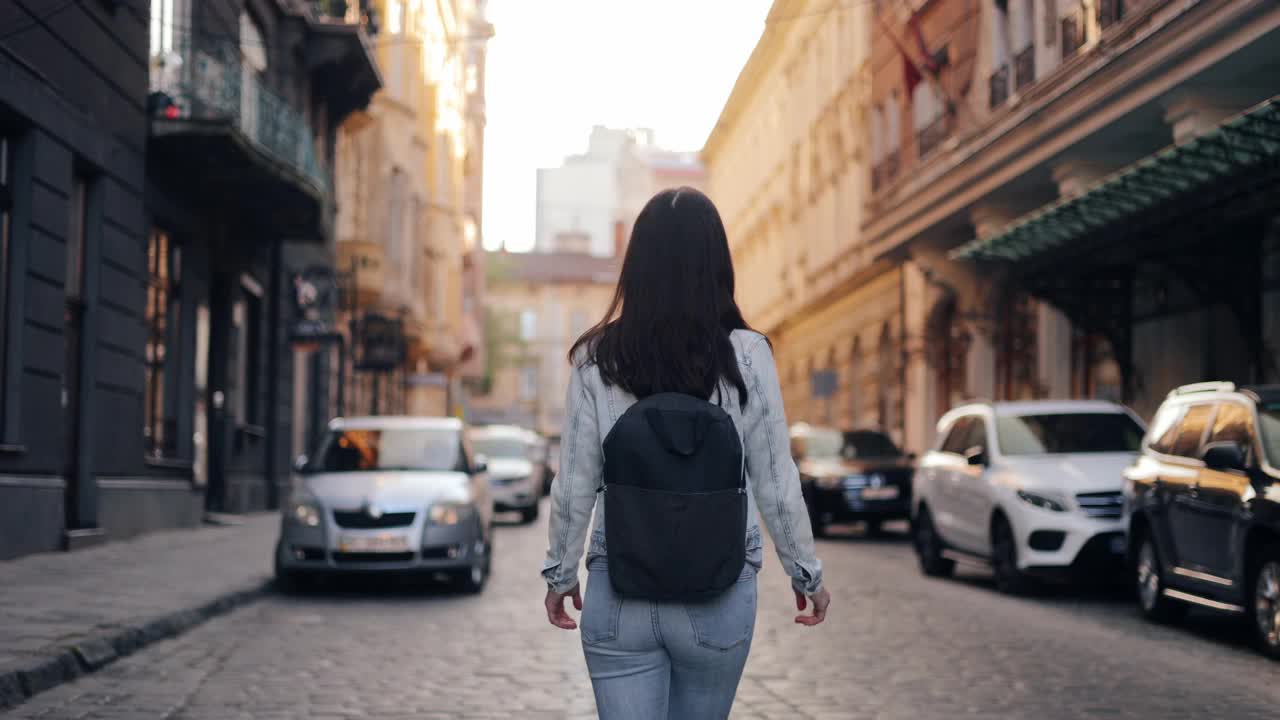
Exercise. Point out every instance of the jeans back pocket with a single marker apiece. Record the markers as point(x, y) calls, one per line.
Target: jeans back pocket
point(726, 621)
point(601, 609)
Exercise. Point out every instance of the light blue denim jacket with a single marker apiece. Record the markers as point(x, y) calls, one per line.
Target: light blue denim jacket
point(772, 479)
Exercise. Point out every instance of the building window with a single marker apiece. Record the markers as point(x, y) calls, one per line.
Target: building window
point(528, 325)
point(246, 320)
point(162, 315)
point(528, 383)
point(877, 146)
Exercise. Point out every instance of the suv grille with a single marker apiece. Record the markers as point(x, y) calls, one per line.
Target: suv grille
point(1103, 505)
point(360, 520)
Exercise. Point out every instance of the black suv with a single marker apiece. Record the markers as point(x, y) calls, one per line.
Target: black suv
point(1203, 507)
point(854, 476)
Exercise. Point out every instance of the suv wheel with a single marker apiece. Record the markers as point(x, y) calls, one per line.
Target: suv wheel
point(929, 547)
point(1149, 579)
point(529, 514)
point(1004, 559)
point(1265, 598)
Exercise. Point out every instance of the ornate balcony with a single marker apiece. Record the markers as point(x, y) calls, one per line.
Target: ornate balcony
point(999, 86)
point(218, 131)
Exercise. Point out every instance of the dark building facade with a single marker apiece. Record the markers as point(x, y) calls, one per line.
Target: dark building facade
point(165, 171)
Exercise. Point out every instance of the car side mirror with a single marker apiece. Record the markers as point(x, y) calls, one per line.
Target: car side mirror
point(976, 455)
point(300, 464)
point(1224, 456)
point(481, 464)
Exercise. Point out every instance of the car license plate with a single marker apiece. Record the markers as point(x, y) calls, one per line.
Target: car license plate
point(386, 543)
point(889, 492)
point(1118, 546)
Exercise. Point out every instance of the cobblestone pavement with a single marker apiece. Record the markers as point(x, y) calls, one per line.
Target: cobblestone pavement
point(54, 600)
point(897, 645)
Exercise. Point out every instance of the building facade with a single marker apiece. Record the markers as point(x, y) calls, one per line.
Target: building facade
point(1059, 100)
point(409, 231)
point(1074, 196)
point(145, 305)
point(589, 202)
point(538, 304)
point(788, 165)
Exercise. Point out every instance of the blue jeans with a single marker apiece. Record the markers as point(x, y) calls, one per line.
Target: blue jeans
point(680, 661)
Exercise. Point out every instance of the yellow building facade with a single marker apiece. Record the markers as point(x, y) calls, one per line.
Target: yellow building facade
point(409, 206)
point(787, 165)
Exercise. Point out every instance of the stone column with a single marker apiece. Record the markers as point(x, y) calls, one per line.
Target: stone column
point(918, 391)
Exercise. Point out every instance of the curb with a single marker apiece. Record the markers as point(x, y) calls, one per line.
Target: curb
point(103, 645)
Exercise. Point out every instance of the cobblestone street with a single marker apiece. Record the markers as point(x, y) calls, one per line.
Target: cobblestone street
point(896, 645)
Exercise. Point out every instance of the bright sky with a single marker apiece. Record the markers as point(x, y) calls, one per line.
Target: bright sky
point(558, 67)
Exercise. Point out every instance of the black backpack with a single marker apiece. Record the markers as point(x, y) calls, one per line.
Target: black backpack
point(676, 513)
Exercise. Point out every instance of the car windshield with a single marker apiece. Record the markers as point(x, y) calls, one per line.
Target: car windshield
point(1269, 420)
point(366, 450)
point(1068, 433)
point(822, 443)
point(500, 447)
point(868, 444)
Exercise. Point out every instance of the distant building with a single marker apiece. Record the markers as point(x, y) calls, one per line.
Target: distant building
point(589, 203)
point(538, 303)
point(408, 186)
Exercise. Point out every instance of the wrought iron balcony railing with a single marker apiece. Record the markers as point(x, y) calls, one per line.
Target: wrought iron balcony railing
point(999, 86)
point(213, 84)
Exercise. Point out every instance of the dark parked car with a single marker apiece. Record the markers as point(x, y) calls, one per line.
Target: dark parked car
point(858, 476)
point(1203, 507)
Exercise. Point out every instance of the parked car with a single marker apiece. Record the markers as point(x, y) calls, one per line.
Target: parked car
point(858, 476)
point(515, 472)
point(389, 494)
point(542, 463)
point(1203, 508)
point(1033, 489)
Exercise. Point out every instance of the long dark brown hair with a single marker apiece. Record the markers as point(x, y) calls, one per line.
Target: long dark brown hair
point(667, 327)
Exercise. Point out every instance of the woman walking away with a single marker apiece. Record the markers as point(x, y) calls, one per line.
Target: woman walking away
point(674, 436)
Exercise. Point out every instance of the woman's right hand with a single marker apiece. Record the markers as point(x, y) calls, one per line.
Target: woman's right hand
point(821, 600)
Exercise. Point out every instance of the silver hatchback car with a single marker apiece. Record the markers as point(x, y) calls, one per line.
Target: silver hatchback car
point(389, 494)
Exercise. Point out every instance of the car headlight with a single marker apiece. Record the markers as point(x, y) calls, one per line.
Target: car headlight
point(304, 512)
point(829, 482)
point(1044, 502)
point(448, 513)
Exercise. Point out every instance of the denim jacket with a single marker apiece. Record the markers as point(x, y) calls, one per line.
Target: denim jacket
point(773, 482)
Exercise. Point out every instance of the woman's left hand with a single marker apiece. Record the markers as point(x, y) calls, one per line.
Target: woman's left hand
point(555, 608)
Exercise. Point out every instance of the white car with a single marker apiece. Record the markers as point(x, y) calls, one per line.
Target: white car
point(1032, 489)
point(515, 473)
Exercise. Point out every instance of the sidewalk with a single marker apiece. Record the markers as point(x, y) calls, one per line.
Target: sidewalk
point(64, 614)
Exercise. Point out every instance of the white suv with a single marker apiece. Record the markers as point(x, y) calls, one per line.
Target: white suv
point(1029, 488)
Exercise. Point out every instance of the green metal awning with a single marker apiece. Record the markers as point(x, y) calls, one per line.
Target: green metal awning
point(1248, 141)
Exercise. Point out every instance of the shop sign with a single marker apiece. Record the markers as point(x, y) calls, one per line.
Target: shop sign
point(382, 343)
